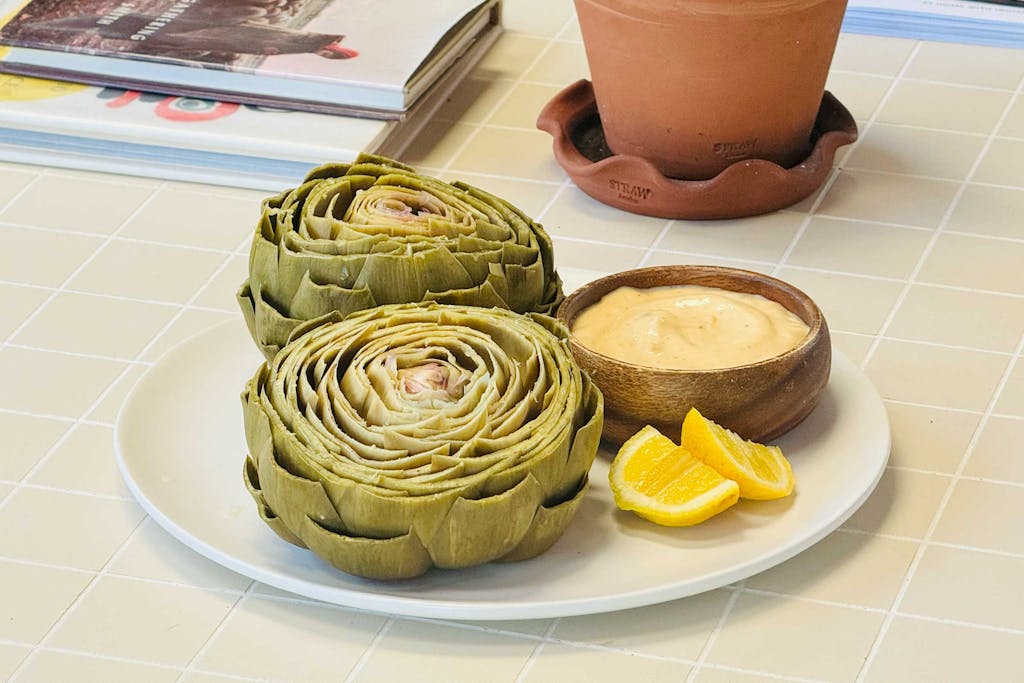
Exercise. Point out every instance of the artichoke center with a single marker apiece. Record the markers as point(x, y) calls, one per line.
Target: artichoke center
point(432, 381)
point(409, 207)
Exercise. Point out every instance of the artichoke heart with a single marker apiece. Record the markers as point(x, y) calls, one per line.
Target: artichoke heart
point(412, 436)
point(375, 232)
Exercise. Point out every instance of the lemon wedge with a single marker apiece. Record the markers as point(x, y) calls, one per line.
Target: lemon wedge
point(762, 472)
point(664, 483)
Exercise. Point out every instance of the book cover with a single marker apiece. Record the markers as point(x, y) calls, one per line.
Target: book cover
point(357, 53)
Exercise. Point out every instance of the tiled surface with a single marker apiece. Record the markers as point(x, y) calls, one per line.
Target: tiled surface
point(915, 252)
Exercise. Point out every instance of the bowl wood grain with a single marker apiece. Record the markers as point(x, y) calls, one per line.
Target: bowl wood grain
point(759, 401)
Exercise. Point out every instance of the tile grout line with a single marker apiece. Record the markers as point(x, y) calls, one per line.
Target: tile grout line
point(190, 666)
point(837, 171)
point(477, 127)
point(537, 649)
point(705, 650)
point(360, 664)
point(979, 429)
point(926, 541)
point(21, 193)
point(938, 232)
point(658, 239)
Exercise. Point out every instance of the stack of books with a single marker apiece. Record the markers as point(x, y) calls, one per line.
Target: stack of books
point(249, 93)
point(998, 23)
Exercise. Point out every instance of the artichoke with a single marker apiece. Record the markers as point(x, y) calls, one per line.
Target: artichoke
point(355, 236)
point(412, 436)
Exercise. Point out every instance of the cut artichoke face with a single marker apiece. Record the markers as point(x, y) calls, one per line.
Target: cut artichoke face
point(412, 436)
point(371, 233)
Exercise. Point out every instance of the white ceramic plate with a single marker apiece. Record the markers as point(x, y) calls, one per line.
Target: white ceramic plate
point(180, 447)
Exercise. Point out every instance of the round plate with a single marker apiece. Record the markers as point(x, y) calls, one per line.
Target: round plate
point(180, 447)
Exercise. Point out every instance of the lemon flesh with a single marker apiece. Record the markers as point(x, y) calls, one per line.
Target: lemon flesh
point(762, 472)
point(662, 482)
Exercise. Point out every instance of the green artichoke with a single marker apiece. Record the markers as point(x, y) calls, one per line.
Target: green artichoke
point(424, 435)
point(355, 236)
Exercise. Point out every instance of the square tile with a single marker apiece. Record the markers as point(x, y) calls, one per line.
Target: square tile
point(12, 182)
point(670, 258)
point(436, 142)
point(677, 629)
point(34, 598)
point(929, 438)
point(932, 375)
point(83, 323)
point(84, 461)
point(561, 64)
point(11, 657)
point(965, 585)
point(16, 304)
point(985, 210)
point(510, 55)
point(52, 383)
point(853, 346)
point(855, 569)
point(975, 263)
point(935, 105)
point(148, 271)
point(1013, 124)
point(290, 641)
point(106, 409)
point(82, 205)
point(474, 99)
point(202, 677)
point(712, 675)
point(600, 257)
point(761, 238)
point(529, 197)
point(888, 198)
point(47, 667)
point(858, 247)
point(536, 17)
point(871, 54)
point(530, 627)
point(1011, 400)
point(520, 110)
point(574, 214)
point(990, 67)
point(26, 441)
point(903, 504)
point(68, 529)
point(1001, 163)
point(985, 515)
point(143, 621)
point(152, 553)
point(997, 454)
point(220, 291)
point(187, 325)
point(850, 303)
point(818, 641)
point(860, 93)
point(898, 149)
point(993, 322)
point(199, 219)
point(562, 663)
point(39, 257)
point(429, 652)
point(917, 650)
point(504, 152)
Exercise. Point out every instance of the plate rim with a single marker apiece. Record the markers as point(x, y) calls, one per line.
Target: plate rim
point(478, 610)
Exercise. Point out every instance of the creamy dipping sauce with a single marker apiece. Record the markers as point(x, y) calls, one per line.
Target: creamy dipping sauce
point(688, 327)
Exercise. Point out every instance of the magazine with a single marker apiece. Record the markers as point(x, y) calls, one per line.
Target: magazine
point(356, 57)
point(998, 23)
point(196, 140)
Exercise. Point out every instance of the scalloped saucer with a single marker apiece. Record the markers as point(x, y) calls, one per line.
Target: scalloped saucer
point(746, 188)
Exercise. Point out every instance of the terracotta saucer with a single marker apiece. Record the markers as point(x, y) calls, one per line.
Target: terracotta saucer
point(746, 188)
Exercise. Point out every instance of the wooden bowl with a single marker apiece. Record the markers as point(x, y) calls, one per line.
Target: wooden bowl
point(759, 401)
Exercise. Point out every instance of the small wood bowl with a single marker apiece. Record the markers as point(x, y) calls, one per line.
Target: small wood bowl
point(759, 401)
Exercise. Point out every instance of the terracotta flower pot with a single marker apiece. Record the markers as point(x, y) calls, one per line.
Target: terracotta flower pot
point(695, 85)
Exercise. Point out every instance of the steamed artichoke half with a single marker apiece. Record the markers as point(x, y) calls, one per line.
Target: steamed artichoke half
point(355, 236)
point(410, 436)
